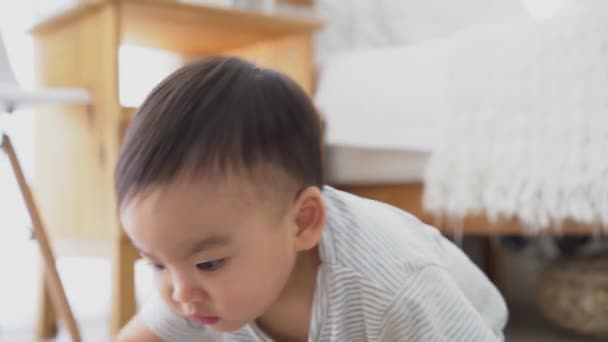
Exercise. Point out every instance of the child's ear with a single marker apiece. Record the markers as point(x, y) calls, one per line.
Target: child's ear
point(309, 219)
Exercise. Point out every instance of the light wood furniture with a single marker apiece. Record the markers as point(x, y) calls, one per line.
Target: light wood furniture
point(54, 287)
point(408, 196)
point(13, 96)
point(77, 151)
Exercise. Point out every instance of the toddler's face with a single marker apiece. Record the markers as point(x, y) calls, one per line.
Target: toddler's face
point(222, 251)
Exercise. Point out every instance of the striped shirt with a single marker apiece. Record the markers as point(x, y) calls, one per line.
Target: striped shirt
point(384, 276)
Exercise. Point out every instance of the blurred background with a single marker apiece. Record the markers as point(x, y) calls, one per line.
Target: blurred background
point(485, 118)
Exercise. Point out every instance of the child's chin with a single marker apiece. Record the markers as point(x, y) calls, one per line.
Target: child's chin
point(226, 326)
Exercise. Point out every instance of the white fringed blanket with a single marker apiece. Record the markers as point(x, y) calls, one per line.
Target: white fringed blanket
point(527, 135)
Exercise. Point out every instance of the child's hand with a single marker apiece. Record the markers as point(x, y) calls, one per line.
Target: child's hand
point(136, 331)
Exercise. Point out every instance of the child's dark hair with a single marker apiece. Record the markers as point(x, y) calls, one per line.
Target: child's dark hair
point(216, 115)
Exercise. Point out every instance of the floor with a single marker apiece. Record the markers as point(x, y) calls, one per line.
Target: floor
point(529, 326)
point(86, 280)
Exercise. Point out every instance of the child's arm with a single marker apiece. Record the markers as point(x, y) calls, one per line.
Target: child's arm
point(431, 307)
point(137, 331)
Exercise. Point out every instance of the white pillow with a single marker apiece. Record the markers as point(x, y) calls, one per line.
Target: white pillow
point(362, 24)
point(413, 21)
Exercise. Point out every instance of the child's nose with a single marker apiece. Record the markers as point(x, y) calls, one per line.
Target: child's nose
point(185, 292)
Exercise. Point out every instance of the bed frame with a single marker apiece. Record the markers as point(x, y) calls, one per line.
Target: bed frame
point(408, 196)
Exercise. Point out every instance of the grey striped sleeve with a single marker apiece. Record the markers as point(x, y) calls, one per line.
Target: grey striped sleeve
point(431, 307)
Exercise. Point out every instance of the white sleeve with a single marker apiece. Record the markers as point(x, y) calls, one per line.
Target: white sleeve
point(431, 307)
point(171, 327)
point(475, 286)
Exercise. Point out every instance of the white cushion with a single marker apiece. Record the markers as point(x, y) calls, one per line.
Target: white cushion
point(361, 24)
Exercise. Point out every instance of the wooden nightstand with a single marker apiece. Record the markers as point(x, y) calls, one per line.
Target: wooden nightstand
point(77, 149)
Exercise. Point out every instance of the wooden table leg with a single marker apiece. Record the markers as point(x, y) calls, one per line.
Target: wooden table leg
point(123, 284)
point(46, 327)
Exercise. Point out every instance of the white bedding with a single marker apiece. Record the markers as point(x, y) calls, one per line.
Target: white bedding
point(370, 24)
point(383, 80)
point(382, 136)
point(527, 135)
point(526, 101)
point(391, 98)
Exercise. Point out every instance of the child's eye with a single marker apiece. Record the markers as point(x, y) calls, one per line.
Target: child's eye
point(210, 265)
point(155, 266)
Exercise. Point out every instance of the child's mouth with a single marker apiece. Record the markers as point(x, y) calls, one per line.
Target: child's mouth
point(206, 320)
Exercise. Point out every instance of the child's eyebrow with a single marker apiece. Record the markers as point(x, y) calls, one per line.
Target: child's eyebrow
point(142, 252)
point(213, 241)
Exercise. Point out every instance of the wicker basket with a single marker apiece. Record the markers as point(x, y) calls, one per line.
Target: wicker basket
point(573, 293)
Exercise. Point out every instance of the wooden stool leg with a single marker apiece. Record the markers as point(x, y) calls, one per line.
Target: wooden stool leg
point(123, 283)
point(55, 288)
point(47, 318)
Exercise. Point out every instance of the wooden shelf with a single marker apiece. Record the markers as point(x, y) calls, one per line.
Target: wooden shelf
point(77, 149)
point(187, 28)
